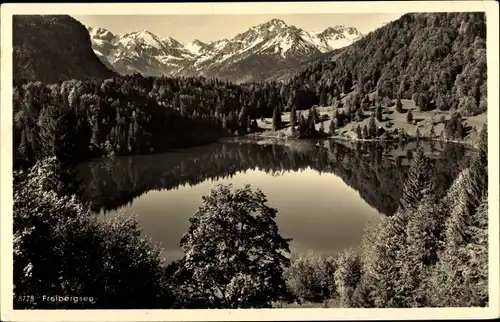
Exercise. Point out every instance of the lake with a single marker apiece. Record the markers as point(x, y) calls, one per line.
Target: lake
point(325, 191)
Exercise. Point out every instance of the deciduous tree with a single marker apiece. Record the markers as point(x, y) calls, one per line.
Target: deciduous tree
point(233, 251)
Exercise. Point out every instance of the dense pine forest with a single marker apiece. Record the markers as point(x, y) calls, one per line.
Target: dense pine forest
point(127, 115)
point(436, 59)
point(430, 250)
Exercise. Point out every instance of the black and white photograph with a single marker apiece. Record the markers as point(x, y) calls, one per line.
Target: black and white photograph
point(212, 158)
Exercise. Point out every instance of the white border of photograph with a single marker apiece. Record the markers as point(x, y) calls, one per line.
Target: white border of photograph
point(8, 10)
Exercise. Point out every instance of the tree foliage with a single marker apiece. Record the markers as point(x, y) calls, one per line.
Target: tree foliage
point(234, 255)
point(419, 181)
point(409, 117)
point(440, 57)
point(432, 252)
point(347, 276)
point(399, 106)
point(311, 277)
point(135, 114)
point(463, 264)
point(61, 248)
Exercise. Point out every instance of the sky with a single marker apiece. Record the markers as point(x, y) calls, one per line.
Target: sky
point(186, 28)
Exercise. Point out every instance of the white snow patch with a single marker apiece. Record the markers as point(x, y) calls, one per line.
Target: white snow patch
point(254, 43)
point(220, 44)
point(144, 37)
point(225, 57)
point(98, 42)
point(193, 48)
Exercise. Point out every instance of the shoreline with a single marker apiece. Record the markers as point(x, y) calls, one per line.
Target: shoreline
point(257, 135)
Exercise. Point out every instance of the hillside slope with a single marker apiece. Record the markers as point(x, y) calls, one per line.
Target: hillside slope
point(53, 48)
point(436, 59)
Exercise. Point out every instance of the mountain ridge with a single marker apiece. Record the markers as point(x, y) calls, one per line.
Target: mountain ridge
point(251, 53)
point(38, 54)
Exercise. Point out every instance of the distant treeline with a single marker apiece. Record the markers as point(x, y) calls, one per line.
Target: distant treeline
point(135, 114)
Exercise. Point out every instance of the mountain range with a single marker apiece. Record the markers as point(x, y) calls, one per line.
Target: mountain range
point(254, 55)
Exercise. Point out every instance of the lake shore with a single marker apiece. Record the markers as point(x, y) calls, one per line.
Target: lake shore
point(423, 122)
point(279, 136)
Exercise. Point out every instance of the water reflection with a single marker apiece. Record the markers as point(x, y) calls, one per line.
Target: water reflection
point(325, 191)
point(376, 171)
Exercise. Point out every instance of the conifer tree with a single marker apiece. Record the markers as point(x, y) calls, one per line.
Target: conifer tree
point(418, 182)
point(432, 132)
point(362, 298)
point(303, 125)
point(322, 96)
point(347, 276)
point(460, 278)
point(24, 148)
point(315, 115)
point(365, 103)
point(409, 117)
point(372, 127)
point(293, 115)
point(380, 245)
point(459, 131)
point(311, 124)
point(420, 252)
point(276, 119)
point(366, 135)
point(322, 127)
point(399, 106)
point(359, 115)
point(359, 135)
point(338, 96)
point(331, 128)
point(378, 114)
point(474, 190)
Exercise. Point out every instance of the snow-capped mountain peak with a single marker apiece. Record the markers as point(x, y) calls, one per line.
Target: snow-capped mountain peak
point(100, 33)
point(142, 37)
point(339, 30)
point(273, 24)
point(336, 37)
point(271, 42)
point(172, 42)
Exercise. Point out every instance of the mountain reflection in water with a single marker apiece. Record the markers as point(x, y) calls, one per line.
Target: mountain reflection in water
point(375, 170)
point(325, 191)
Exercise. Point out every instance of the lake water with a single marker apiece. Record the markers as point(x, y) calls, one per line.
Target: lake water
point(326, 192)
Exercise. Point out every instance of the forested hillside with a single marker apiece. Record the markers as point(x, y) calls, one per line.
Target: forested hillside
point(437, 59)
point(53, 48)
point(132, 114)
